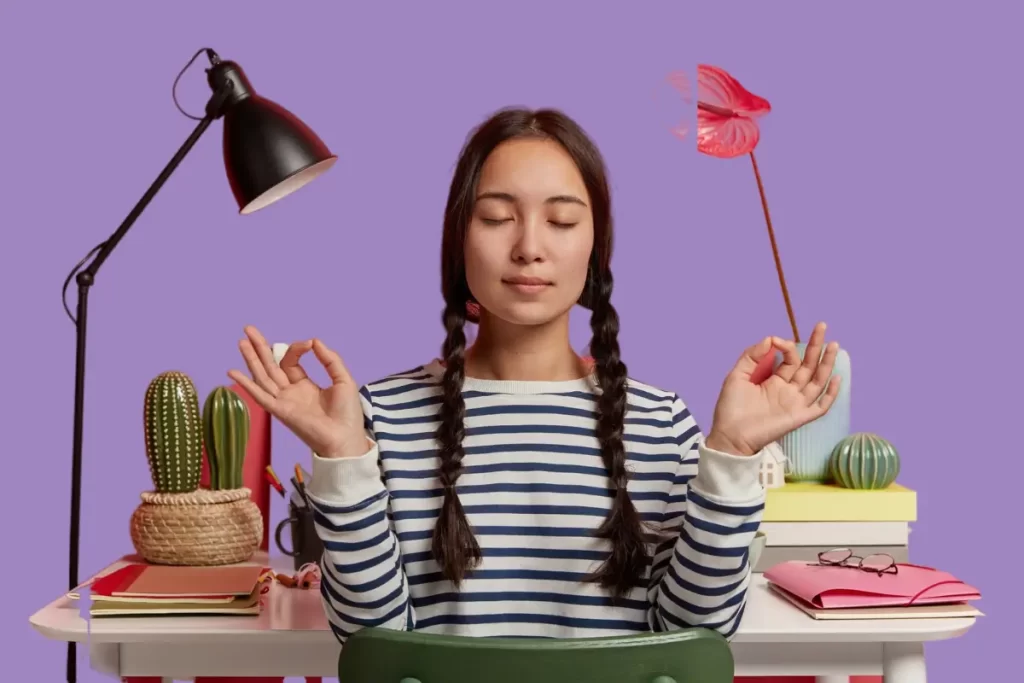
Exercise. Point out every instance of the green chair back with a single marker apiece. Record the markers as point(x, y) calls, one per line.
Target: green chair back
point(387, 656)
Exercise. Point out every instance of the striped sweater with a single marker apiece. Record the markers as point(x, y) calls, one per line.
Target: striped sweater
point(535, 490)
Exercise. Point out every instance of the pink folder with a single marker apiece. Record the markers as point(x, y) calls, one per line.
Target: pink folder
point(839, 587)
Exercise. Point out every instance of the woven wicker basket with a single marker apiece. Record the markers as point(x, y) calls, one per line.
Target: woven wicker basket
point(199, 528)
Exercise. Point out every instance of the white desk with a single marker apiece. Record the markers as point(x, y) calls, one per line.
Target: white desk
point(290, 638)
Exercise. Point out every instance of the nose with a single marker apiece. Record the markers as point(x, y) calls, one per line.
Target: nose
point(529, 247)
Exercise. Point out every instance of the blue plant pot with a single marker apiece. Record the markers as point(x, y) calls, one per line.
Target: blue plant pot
point(809, 448)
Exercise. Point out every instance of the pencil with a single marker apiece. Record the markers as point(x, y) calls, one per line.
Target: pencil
point(274, 481)
point(301, 485)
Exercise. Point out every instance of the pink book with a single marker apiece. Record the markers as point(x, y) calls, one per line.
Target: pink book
point(843, 587)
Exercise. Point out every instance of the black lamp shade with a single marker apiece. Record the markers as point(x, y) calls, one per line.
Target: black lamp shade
point(269, 153)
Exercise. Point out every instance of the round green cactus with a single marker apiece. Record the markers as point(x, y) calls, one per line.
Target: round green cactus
point(864, 461)
point(174, 433)
point(226, 433)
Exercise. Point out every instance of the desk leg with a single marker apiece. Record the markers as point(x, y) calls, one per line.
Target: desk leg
point(903, 663)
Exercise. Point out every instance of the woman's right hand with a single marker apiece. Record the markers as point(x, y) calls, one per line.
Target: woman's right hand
point(328, 420)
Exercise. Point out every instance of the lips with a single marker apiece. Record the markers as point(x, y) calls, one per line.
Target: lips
point(527, 281)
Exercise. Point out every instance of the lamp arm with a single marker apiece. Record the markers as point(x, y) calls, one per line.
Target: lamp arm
point(85, 279)
point(213, 112)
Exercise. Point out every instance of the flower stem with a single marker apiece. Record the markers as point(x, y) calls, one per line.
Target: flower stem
point(775, 249)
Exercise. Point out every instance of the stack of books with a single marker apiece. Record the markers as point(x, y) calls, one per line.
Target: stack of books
point(803, 519)
point(139, 589)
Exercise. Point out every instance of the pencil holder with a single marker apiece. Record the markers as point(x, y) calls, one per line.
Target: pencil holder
point(199, 528)
point(306, 544)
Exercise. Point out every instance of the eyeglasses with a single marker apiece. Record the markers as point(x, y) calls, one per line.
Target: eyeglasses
point(879, 563)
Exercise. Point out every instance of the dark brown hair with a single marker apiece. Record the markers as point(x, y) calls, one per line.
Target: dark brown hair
point(454, 547)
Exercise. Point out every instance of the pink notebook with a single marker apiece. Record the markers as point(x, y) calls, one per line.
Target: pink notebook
point(843, 587)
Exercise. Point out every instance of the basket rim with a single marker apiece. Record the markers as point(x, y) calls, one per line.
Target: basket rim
point(201, 496)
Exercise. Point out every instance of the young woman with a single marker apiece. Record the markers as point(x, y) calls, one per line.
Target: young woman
point(514, 488)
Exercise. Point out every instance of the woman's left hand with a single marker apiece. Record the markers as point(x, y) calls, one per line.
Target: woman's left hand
point(759, 405)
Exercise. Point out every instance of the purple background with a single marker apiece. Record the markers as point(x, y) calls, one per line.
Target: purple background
point(890, 161)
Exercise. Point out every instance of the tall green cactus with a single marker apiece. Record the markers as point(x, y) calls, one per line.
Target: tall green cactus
point(226, 433)
point(174, 433)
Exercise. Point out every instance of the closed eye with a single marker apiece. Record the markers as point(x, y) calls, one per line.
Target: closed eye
point(499, 221)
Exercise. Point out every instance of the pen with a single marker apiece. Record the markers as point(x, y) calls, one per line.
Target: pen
point(299, 489)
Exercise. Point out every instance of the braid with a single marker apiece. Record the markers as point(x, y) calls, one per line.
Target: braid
point(628, 561)
point(454, 546)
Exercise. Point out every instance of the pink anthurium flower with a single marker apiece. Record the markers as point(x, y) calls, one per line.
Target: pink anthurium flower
point(727, 116)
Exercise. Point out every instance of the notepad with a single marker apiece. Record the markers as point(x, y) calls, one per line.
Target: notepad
point(945, 611)
point(151, 607)
point(142, 582)
point(830, 587)
point(157, 581)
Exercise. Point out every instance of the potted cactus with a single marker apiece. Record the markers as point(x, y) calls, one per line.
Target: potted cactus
point(226, 433)
point(174, 437)
point(178, 522)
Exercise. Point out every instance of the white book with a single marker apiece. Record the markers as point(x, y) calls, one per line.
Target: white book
point(836, 534)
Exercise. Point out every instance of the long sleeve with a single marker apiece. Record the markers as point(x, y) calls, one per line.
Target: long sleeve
point(363, 582)
point(701, 574)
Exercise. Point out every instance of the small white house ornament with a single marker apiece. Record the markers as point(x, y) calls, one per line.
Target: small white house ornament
point(773, 466)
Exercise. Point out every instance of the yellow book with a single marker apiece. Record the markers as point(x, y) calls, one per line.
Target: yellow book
point(807, 502)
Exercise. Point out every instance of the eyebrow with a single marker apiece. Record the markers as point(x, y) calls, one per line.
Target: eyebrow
point(556, 199)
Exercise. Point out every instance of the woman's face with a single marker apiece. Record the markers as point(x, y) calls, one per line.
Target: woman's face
point(531, 233)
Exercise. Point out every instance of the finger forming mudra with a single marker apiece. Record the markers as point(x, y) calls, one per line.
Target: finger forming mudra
point(328, 419)
point(761, 402)
point(811, 376)
point(267, 375)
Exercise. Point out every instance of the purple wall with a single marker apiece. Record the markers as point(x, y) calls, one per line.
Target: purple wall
point(887, 161)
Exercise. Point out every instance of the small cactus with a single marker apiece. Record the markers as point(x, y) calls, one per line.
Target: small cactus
point(174, 436)
point(863, 460)
point(226, 433)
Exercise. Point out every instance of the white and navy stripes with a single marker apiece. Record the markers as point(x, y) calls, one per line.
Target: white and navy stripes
point(535, 490)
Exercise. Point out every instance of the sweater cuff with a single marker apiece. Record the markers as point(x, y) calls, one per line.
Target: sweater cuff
point(729, 478)
point(346, 480)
